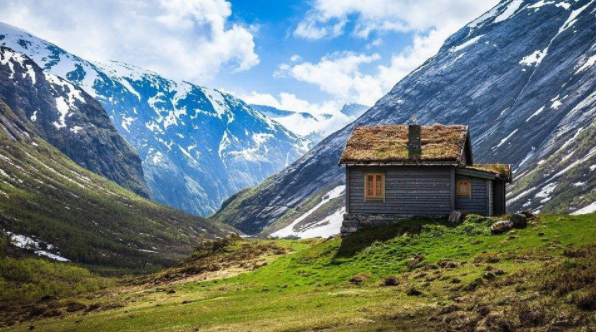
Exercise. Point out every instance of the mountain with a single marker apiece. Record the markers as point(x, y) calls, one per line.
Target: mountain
point(313, 126)
point(197, 145)
point(353, 111)
point(522, 76)
point(69, 119)
point(57, 209)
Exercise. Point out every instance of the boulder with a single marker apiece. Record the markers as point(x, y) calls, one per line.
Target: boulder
point(501, 226)
point(529, 214)
point(456, 217)
point(519, 220)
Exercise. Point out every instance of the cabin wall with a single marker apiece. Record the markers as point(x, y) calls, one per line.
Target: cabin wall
point(480, 201)
point(409, 191)
point(490, 198)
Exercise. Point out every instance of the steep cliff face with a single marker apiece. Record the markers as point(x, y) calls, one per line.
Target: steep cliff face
point(69, 119)
point(522, 76)
point(198, 145)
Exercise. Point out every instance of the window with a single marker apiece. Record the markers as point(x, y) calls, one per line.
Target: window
point(374, 187)
point(464, 188)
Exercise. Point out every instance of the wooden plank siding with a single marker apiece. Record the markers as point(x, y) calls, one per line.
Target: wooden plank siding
point(410, 191)
point(347, 190)
point(478, 202)
point(490, 198)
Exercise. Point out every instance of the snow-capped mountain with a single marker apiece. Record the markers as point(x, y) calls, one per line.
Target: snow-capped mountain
point(197, 145)
point(522, 76)
point(69, 119)
point(54, 208)
point(313, 126)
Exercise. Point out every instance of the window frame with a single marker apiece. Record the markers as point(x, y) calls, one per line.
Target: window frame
point(374, 197)
point(469, 187)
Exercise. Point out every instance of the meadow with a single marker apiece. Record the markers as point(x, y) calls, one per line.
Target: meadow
point(420, 275)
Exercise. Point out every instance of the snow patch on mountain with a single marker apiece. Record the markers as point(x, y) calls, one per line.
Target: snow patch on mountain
point(234, 146)
point(466, 44)
point(39, 248)
point(290, 229)
point(534, 58)
point(311, 125)
point(509, 11)
point(585, 210)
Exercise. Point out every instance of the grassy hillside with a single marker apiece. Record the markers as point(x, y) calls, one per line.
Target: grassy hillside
point(422, 275)
point(81, 216)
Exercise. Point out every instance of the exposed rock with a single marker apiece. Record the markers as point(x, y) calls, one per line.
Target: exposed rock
point(198, 146)
point(528, 214)
point(456, 217)
point(69, 119)
point(518, 220)
point(501, 226)
point(354, 222)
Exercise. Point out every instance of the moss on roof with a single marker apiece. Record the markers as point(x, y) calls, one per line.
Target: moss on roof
point(389, 143)
point(502, 170)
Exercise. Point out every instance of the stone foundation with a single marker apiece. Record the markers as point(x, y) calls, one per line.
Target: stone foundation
point(354, 222)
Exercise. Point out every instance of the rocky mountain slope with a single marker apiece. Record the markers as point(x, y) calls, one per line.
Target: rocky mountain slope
point(313, 126)
point(69, 119)
point(522, 76)
point(198, 145)
point(54, 208)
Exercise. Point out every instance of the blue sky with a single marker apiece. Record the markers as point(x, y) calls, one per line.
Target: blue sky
point(306, 55)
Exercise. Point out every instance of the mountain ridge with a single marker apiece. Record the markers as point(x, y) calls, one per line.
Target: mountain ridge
point(55, 208)
point(197, 145)
point(521, 106)
point(313, 126)
point(69, 119)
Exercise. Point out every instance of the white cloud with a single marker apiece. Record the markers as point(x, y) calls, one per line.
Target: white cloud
point(328, 18)
point(337, 74)
point(189, 39)
point(289, 101)
point(340, 74)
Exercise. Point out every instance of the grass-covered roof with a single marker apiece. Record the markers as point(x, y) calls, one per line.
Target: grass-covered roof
point(503, 171)
point(389, 143)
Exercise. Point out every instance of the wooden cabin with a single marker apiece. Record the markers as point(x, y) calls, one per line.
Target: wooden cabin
point(397, 171)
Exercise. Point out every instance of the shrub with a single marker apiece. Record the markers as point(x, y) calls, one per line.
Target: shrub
point(582, 252)
point(413, 292)
point(391, 281)
point(489, 257)
point(531, 316)
point(448, 263)
point(475, 219)
point(585, 299)
point(208, 247)
point(359, 278)
point(415, 262)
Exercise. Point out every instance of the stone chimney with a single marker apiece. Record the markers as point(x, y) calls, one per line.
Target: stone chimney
point(414, 142)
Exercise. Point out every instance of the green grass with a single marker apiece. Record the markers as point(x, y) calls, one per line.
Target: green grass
point(308, 287)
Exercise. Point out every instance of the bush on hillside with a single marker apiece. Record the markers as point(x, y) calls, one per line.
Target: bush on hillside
point(359, 278)
point(391, 281)
point(207, 247)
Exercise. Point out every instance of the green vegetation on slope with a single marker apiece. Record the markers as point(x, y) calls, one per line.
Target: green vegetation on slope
point(421, 275)
point(45, 195)
point(570, 173)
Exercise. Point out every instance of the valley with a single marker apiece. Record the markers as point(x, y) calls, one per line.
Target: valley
point(421, 275)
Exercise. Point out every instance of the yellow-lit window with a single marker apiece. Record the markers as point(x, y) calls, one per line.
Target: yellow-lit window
point(374, 187)
point(464, 188)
